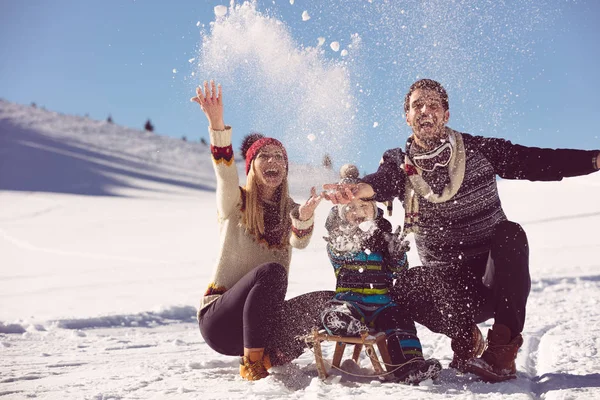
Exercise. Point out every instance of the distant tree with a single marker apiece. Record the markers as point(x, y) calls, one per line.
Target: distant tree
point(203, 141)
point(87, 115)
point(184, 138)
point(33, 104)
point(149, 127)
point(327, 161)
point(109, 119)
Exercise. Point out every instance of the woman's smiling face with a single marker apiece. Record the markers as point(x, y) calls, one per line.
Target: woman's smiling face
point(270, 166)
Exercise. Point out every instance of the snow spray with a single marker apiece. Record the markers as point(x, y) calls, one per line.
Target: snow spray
point(276, 86)
point(332, 78)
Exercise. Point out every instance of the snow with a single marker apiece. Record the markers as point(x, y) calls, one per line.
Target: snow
point(283, 75)
point(335, 46)
point(305, 16)
point(107, 242)
point(220, 10)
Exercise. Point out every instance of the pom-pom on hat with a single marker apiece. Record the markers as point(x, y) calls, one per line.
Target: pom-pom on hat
point(247, 141)
point(251, 145)
point(349, 174)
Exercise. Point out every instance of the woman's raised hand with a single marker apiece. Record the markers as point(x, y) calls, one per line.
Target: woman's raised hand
point(307, 210)
point(211, 102)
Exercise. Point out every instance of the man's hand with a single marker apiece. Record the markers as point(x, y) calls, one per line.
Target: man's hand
point(345, 193)
point(307, 210)
point(211, 102)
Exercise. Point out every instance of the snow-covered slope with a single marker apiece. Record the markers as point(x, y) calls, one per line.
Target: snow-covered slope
point(107, 241)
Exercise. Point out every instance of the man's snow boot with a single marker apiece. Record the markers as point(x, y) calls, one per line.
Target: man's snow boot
point(465, 349)
point(497, 363)
point(254, 366)
point(418, 370)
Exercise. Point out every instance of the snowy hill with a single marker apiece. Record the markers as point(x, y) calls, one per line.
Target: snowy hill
point(108, 238)
point(47, 152)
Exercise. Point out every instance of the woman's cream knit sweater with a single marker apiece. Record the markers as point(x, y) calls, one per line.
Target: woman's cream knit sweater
point(239, 251)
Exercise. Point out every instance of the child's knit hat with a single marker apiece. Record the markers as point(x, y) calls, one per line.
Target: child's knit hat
point(349, 174)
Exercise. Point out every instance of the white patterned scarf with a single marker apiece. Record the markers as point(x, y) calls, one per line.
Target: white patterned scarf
point(416, 185)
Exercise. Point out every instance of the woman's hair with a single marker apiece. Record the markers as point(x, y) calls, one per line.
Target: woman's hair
point(253, 216)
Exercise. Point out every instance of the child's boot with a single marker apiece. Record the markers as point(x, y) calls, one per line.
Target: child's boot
point(417, 370)
point(339, 321)
point(406, 353)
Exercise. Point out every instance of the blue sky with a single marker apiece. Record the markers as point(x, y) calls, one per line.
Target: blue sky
point(525, 70)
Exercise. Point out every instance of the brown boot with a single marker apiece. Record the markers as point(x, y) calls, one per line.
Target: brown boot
point(466, 349)
point(497, 363)
point(254, 365)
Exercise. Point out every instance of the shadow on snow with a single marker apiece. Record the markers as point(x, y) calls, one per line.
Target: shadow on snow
point(32, 162)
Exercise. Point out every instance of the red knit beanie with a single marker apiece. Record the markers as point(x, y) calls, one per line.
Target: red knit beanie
point(259, 144)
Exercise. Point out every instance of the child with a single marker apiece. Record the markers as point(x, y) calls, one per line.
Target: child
point(366, 258)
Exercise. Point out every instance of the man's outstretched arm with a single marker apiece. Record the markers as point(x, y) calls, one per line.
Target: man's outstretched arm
point(513, 161)
point(383, 185)
point(345, 193)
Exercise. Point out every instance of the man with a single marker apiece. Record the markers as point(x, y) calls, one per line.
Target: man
point(475, 261)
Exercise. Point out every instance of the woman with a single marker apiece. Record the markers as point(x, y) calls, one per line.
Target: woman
point(244, 311)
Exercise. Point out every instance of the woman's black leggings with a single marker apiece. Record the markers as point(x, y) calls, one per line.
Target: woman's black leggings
point(254, 314)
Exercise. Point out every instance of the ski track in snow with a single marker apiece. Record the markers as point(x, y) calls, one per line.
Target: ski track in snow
point(83, 316)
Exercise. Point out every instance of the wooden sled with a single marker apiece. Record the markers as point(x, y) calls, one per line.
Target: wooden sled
point(366, 340)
